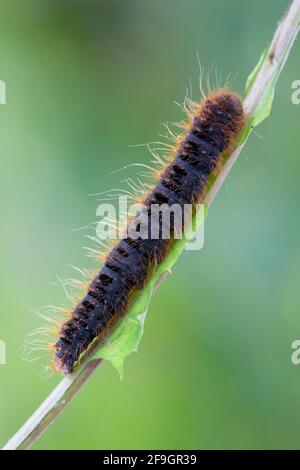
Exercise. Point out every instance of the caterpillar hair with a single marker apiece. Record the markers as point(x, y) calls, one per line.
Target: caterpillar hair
point(208, 135)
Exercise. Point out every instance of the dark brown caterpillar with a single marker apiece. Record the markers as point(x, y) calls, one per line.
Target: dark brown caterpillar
point(210, 132)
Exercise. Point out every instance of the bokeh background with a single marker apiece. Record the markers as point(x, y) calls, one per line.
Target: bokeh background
point(85, 80)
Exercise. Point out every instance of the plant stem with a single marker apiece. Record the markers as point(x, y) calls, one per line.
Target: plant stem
point(51, 408)
point(69, 386)
point(274, 61)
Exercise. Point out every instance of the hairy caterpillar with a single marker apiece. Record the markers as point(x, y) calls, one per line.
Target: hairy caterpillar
point(213, 125)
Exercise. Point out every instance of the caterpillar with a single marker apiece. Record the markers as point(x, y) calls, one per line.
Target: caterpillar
point(209, 133)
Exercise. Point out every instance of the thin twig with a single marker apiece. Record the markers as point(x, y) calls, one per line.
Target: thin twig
point(274, 61)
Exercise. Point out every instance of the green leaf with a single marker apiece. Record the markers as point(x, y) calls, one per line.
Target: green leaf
point(255, 71)
point(126, 336)
point(264, 108)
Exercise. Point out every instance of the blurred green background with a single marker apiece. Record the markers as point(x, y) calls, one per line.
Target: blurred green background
point(85, 80)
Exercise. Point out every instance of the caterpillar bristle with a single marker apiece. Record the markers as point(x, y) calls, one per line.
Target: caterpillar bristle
point(180, 174)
